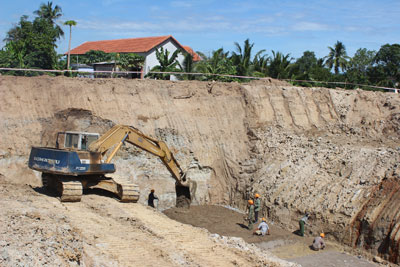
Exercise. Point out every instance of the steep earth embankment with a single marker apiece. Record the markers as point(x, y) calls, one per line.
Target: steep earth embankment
point(333, 153)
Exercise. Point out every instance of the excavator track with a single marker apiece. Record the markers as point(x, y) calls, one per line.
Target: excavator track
point(128, 192)
point(71, 191)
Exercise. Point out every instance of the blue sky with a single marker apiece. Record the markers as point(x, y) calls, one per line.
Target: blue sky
point(288, 26)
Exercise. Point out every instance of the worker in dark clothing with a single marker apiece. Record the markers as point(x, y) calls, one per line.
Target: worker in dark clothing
point(303, 221)
point(151, 199)
point(257, 206)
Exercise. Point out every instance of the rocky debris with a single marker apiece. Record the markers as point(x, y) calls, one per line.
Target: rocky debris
point(35, 237)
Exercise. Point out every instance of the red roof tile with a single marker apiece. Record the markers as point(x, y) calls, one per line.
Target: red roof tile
point(131, 45)
point(195, 56)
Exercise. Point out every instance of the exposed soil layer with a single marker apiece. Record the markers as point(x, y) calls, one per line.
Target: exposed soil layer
point(333, 153)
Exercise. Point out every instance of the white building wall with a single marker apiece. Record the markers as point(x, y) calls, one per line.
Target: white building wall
point(151, 59)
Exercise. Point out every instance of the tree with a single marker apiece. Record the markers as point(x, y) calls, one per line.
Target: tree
point(46, 11)
point(218, 63)
point(279, 65)
point(337, 57)
point(70, 23)
point(188, 66)
point(260, 65)
point(32, 44)
point(166, 63)
point(358, 66)
point(242, 59)
point(387, 69)
point(94, 56)
point(130, 62)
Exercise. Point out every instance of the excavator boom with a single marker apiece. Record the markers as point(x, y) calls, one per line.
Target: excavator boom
point(118, 134)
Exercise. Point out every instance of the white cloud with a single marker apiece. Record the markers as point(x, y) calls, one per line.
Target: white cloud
point(310, 26)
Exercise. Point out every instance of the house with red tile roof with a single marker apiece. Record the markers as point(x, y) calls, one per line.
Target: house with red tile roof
point(145, 46)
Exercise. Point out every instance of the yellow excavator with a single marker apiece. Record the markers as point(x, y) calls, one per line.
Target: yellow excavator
point(81, 160)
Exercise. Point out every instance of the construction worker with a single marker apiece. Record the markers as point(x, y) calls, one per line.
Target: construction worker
point(319, 242)
point(263, 228)
point(257, 206)
point(251, 214)
point(151, 199)
point(302, 222)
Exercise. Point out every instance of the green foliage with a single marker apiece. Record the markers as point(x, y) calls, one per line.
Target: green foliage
point(166, 63)
point(337, 57)
point(188, 66)
point(129, 61)
point(47, 12)
point(218, 63)
point(279, 66)
point(358, 66)
point(95, 56)
point(241, 59)
point(387, 69)
point(32, 44)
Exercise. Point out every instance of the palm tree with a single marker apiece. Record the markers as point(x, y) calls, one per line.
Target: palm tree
point(166, 63)
point(188, 66)
point(337, 57)
point(70, 23)
point(218, 63)
point(242, 59)
point(279, 65)
point(46, 11)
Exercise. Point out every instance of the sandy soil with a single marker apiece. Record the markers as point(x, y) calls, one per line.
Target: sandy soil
point(36, 229)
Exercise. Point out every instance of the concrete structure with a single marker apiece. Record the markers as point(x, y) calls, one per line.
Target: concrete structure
point(145, 47)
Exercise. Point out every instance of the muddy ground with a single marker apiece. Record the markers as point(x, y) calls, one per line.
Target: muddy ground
point(285, 244)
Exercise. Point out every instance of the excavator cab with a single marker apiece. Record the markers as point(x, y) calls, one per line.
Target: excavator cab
point(76, 140)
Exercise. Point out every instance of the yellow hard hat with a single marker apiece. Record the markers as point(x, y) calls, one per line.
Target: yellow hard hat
point(257, 195)
point(250, 202)
point(322, 235)
point(263, 219)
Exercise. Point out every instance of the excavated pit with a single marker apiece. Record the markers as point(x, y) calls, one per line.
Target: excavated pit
point(183, 198)
point(333, 153)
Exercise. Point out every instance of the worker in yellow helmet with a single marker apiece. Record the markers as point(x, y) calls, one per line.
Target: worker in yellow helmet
point(250, 216)
point(319, 242)
point(257, 206)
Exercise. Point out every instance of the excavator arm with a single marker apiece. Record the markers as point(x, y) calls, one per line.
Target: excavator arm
point(117, 135)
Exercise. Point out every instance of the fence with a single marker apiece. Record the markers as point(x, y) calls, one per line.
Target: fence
point(122, 73)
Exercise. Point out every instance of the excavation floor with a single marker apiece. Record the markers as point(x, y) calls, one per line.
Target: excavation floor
point(282, 243)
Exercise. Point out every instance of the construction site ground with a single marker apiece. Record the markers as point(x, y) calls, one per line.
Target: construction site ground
point(37, 230)
point(334, 153)
point(282, 243)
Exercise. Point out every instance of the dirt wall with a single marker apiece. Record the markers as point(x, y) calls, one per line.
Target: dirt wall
point(328, 152)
